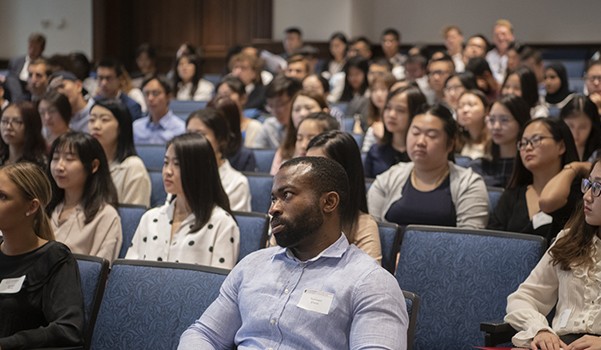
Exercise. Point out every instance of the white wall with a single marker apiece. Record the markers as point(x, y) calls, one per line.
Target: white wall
point(540, 21)
point(19, 18)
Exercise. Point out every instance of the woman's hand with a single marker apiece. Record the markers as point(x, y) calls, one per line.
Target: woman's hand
point(546, 340)
point(588, 342)
point(581, 168)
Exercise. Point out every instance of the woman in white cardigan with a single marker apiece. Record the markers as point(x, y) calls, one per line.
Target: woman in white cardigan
point(430, 190)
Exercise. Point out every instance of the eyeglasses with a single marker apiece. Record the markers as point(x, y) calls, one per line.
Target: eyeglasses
point(593, 78)
point(501, 119)
point(454, 89)
point(534, 142)
point(11, 121)
point(593, 185)
point(439, 73)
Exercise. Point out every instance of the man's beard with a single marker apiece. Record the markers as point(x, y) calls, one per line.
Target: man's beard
point(305, 224)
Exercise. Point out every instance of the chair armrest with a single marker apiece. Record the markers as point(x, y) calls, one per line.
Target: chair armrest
point(497, 332)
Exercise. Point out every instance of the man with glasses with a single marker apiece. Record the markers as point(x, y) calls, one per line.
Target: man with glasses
point(592, 81)
point(161, 124)
point(439, 70)
point(109, 73)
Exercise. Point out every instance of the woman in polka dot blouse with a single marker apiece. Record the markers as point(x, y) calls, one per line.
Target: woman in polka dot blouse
point(196, 226)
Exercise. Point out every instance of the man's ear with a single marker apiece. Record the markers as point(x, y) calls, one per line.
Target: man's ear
point(330, 202)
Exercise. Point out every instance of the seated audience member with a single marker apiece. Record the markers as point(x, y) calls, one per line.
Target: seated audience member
point(37, 81)
point(497, 57)
point(311, 126)
point(456, 85)
point(592, 80)
point(279, 94)
point(401, 106)
point(544, 185)
point(513, 57)
point(319, 85)
point(378, 68)
point(188, 84)
point(533, 59)
point(563, 280)
point(505, 121)
point(84, 198)
point(146, 61)
point(161, 125)
point(196, 226)
point(110, 123)
point(55, 110)
point(358, 226)
point(360, 47)
point(109, 74)
point(582, 117)
point(522, 82)
point(338, 45)
point(69, 85)
point(378, 93)
point(476, 46)
point(43, 306)
point(247, 68)
point(18, 73)
point(453, 41)
point(303, 104)
point(293, 41)
point(21, 135)
point(557, 86)
point(439, 70)
point(484, 78)
point(416, 68)
point(473, 140)
point(213, 125)
point(355, 89)
point(431, 189)
point(309, 195)
point(133, 92)
point(233, 88)
point(298, 67)
point(391, 45)
point(240, 157)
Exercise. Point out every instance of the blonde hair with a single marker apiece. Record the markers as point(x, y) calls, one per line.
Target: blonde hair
point(33, 184)
point(504, 23)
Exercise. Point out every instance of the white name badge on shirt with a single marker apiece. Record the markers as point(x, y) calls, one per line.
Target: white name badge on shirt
point(563, 319)
point(540, 219)
point(316, 300)
point(11, 285)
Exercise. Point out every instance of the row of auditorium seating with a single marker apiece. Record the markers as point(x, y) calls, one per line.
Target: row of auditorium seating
point(457, 278)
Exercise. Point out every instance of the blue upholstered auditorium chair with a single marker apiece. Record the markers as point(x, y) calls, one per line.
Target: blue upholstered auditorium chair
point(93, 272)
point(253, 232)
point(260, 191)
point(130, 218)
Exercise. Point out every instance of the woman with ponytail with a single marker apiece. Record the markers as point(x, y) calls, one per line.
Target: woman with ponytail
point(40, 295)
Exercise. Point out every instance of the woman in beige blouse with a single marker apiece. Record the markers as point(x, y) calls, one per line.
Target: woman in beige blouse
point(110, 123)
point(84, 198)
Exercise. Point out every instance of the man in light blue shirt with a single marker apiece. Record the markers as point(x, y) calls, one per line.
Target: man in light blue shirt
point(315, 291)
point(161, 124)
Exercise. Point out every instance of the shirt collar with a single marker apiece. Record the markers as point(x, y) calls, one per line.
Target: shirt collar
point(336, 250)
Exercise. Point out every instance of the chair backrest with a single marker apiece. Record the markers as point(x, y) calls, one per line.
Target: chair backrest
point(389, 240)
point(157, 193)
point(412, 303)
point(264, 158)
point(182, 109)
point(462, 161)
point(260, 191)
point(151, 155)
point(148, 305)
point(494, 194)
point(463, 277)
point(130, 218)
point(253, 232)
point(93, 272)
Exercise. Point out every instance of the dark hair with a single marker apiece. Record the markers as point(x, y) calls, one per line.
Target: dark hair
point(293, 30)
point(281, 85)
point(234, 84)
point(111, 63)
point(39, 38)
point(575, 248)
point(325, 120)
point(527, 53)
point(146, 48)
point(195, 60)
point(415, 102)
point(125, 137)
point(450, 126)
point(393, 32)
point(581, 104)
point(478, 66)
point(560, 133)
point(81, 65)
point(481, 36)
point(325, 84)
point(98, 189)
point(200, 177)
point(60, 102)
point(419, 59)
point(464, 137)
point(164, 84)
point(519, 111)
point(564, 88)
point(34, 147)
point(467, 79)
point(361, 64)
point(340, 36)
point(326, 175)
point(528, 84)
point(214, 120)
point(388, 80)
point(342, 147)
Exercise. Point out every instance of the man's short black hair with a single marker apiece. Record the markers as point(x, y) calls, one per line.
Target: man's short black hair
point(293, 30)
point(282, 84)
point(111, 63)
point(164, 83)
point(393, 32)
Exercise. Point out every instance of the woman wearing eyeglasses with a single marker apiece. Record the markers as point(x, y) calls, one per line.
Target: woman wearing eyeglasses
point(21, 131)
point(567, 278)
point(544, 187)
point(506, 118)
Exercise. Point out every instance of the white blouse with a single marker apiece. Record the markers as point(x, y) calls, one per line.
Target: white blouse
point(576, 292)
point(236, 186)
point(216, 244)
point(204, 92)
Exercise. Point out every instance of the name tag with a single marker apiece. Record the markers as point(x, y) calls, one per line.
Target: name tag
point(563, 319)
point(540, 219)
point(11, 285)
point(317, 301)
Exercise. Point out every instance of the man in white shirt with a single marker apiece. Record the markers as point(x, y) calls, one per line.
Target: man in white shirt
point(497, 57)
